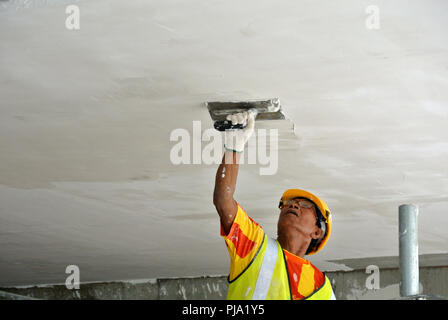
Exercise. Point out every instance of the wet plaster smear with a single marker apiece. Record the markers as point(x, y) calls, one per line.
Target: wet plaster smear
point(86, 117)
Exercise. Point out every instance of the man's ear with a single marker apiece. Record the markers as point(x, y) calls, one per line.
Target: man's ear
point(318, 233)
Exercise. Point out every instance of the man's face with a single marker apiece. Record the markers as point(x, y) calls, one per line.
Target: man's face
point(298, 218)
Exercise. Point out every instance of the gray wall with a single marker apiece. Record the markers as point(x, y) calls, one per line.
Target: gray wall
point(346, 284)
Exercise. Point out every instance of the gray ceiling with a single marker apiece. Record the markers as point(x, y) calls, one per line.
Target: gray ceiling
point(86, 118)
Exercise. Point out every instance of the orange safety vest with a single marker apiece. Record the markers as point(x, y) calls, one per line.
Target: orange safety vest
point(266, 278)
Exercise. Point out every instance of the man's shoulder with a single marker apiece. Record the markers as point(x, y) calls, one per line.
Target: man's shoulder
point(243, 241)
point(243, 216)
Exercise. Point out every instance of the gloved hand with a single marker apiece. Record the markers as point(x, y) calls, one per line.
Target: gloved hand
point(235, 140)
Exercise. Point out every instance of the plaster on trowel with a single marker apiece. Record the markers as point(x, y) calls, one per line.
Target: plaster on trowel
point(264, 109)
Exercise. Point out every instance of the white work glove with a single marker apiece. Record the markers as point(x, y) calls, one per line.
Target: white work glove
point(235, 140)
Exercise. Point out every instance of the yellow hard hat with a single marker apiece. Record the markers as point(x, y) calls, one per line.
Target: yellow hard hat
point(323, 215)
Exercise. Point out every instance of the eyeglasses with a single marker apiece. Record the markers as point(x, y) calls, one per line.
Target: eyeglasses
point(300, 202)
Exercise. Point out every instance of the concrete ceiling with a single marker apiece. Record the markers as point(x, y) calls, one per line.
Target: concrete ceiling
point(86, 118)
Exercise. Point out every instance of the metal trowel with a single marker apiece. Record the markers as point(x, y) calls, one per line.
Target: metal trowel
point(264, 110)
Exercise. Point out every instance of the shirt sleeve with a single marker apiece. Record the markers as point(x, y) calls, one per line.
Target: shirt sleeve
point(244, 239)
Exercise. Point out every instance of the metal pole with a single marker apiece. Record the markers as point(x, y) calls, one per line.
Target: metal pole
point(408, 238)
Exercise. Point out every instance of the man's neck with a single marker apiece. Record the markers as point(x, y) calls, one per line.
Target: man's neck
point(295, 245)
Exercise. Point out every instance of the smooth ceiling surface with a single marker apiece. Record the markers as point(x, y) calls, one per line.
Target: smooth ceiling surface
point(86, 119)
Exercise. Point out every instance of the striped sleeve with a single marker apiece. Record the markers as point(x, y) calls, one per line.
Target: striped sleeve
point(243, 241)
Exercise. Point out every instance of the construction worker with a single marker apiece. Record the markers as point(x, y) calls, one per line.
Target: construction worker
point(263, 268)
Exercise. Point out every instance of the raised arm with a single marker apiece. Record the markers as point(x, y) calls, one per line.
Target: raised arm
point(226, 176)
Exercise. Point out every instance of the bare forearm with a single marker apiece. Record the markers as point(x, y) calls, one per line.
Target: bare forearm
point(226, 176)
point(225, 184)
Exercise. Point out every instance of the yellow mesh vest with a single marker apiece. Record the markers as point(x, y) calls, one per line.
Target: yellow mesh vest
point(243, 286)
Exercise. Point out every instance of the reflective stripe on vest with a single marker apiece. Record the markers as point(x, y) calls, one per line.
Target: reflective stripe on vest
point(266, 271)
point(266, 277)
